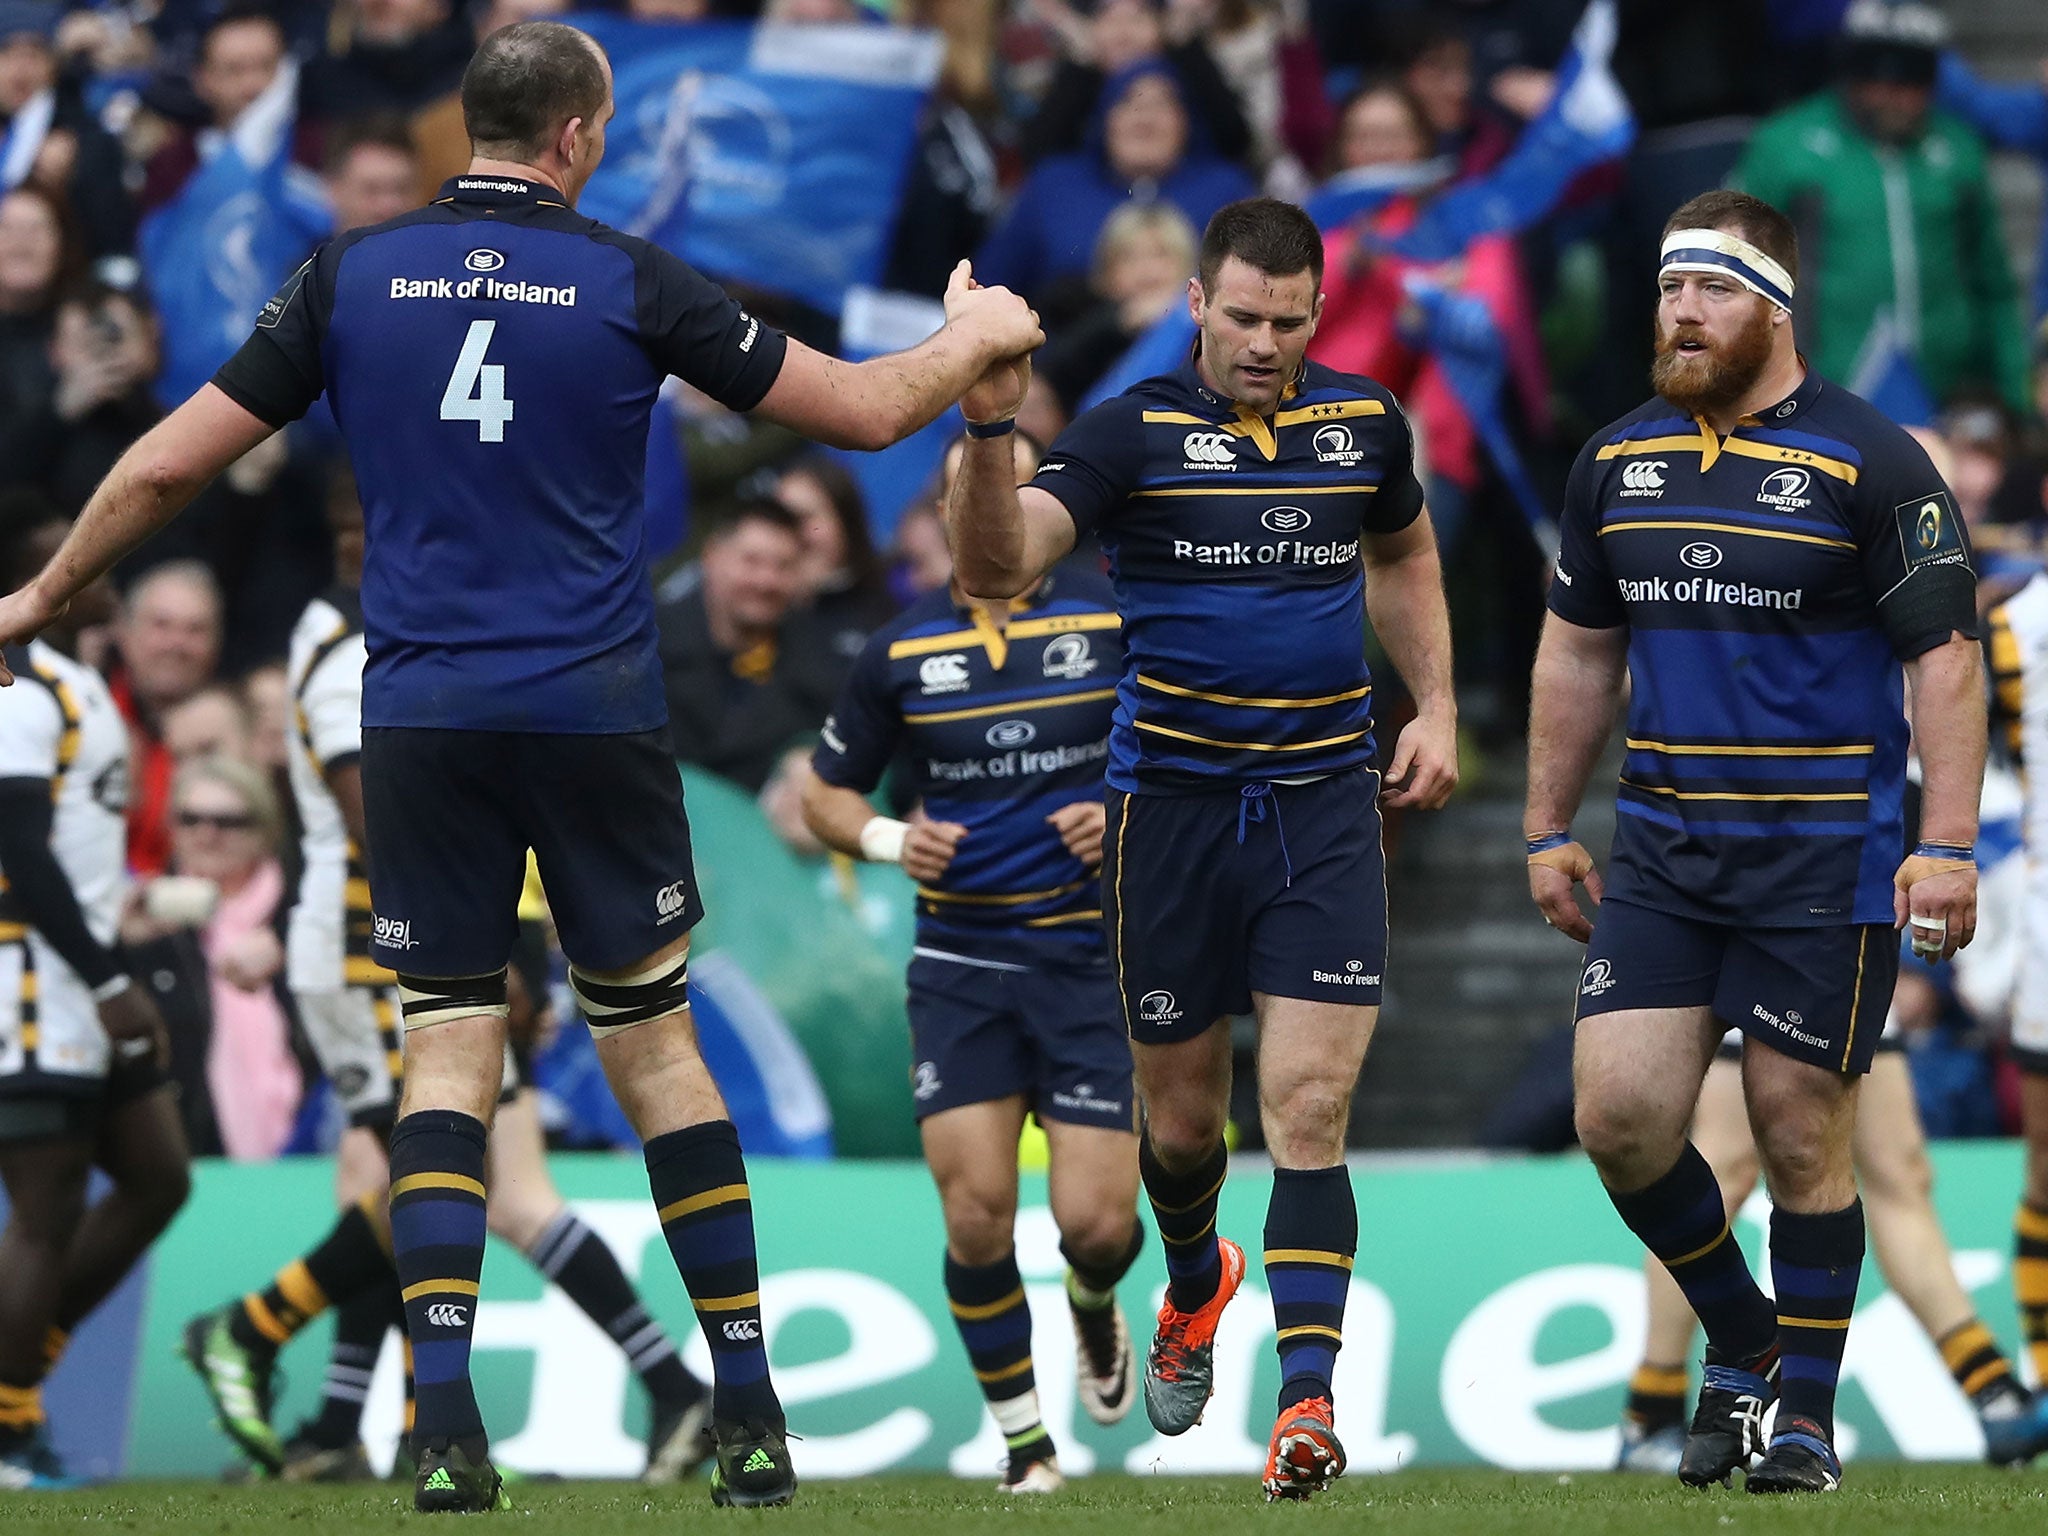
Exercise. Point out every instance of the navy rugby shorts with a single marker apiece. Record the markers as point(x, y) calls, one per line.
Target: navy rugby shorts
point(1817, 994)
point(983, 1029)
point(1273, 888)
point(451, 815)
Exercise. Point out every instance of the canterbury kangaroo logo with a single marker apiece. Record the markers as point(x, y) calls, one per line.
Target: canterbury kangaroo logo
point(743, 1330)
point(1207, 448)
point(446, 1314)
point(1644, 475)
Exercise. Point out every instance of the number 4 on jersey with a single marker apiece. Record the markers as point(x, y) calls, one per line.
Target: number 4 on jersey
point(476, 389)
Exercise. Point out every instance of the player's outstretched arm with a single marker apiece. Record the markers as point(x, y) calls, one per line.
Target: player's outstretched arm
point(1936, 887)
point(1404, 595)
point(152, 482)
point(1572, 700)
point(842, 820)
point(881, 401)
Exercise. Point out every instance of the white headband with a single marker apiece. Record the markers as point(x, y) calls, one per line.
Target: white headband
point(1714, 250)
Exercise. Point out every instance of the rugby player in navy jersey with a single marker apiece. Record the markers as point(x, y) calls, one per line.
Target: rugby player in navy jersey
point(491, 360)
point(1001, 712)
point(1766, 560)
point(1254, 508)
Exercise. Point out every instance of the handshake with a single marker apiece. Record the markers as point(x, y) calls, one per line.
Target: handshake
point(1006, 331)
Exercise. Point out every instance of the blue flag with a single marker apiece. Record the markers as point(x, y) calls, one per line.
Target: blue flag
point(770, 155)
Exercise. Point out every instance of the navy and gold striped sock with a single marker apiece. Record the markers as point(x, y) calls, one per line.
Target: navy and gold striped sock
point(437, 1230)
point(1184, 1209)
point(1816, 1261)
point(994, 1321)
point(1977, 1363)
point(1656, 1396)
point(350, 1260)
point(1682, 1219)
point(2030, 1284)
point(699, 1181)
point(1311, 1238)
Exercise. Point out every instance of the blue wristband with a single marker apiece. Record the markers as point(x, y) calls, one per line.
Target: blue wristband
point(1543, 842)
point(1001, 428)
point(1965, 853)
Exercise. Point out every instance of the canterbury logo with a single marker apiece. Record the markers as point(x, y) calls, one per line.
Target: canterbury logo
point(668, 901)
point(1644, 475)
point(1207, 448)
point(743, 1330)
point(446, 1314)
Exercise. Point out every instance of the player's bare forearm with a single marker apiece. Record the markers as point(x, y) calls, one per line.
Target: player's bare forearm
point(1949, 728)
point(1004, 538)
point(1573, 695)
point(834, 814)
point(1404, 597)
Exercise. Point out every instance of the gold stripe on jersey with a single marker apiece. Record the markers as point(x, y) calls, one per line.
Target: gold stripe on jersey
point(1015, 899)
point(1175, 419)
point(1014, 707)
point(1249, 746)
point(1332, 410)
point(1094, 915)
point(31, 1025)
point(1257, 703)
point(1271, 492)
point(1023, 629)
point(2008, 678)
point(72, 717)
point(1710, 445)
point(1709, 749)
point(1704, 794)
point(1704, 526)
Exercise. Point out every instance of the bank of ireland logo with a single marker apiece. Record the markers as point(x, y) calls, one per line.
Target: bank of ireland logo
point(1284, 519)
point(943, 674)
point(1005, 734)
point(1700, 557)
point(1160, 1007)
point(484, 261)
point(1208, 450)
point(1644, 477)
point(1067, 656)
point(1599, 978)
point(1333, 445)
point(1786, 488)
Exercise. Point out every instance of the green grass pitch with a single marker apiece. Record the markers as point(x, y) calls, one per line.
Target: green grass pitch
point(1879, 1500)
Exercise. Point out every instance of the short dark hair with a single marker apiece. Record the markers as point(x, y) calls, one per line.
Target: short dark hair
point(525, 81)
point(1750, 217)
point(383, 130)
point(1276, 237)
point(236, 15)
point(753, 509)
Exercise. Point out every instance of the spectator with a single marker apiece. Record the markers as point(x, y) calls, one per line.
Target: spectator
point(948, 202)
point(921, 560)
point(1141, 148)
point(105, 352)
point(396, 56)
point(267, 695)
point(1143, 260)
point(372, 173)
point(1933, 274)
point(1096, 48)
point(2011, 117)
point(745, 679)
point(37, 258)
point(214, 722)
point(245, 82)
point(207, 938)
point(168, 640)
point(52, 139)
point(841, 575)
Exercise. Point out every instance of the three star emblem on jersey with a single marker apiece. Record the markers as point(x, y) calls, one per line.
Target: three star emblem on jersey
point(1644, 477)
point(1208, 450)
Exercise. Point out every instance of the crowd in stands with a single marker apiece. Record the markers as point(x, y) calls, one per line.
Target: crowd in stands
point(1074, 151)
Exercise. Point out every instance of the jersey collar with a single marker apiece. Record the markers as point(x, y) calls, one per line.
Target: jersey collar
point(1795, 404)
point(1189, 376)
point(499, 192)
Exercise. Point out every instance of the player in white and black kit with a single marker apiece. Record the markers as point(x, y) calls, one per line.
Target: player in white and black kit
point(82, 1048)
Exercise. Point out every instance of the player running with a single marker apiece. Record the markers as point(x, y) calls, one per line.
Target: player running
point(1890, 1151)
point(1251, 503)
point(1758, 552)
point(82, 1047)
point(1002, 712)
point(492, 359)
point(349, 1005)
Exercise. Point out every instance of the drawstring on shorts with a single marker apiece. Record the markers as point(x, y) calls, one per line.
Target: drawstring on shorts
point(1253, 800)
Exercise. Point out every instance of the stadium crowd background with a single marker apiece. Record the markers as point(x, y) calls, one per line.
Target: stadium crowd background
point(1073, 153)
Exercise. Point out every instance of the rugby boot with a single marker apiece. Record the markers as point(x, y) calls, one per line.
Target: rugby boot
point(1800, 1460)
point(1180, 1369)
point(241, 1382)
point(678, 1440)
point(306, 1460)
point(1108, 1374)
point(1656, 1451)
point(1728, 1426)
point(753, 1468)
point(455, 1481)
point(2015, 1429)
point(1305, 1455)
point(1035, 1470)
point(30, 1464)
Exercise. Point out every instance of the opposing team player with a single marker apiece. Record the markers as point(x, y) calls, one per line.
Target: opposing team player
point(492, 359)
point(1765, 558)
point(82, 1047)
point(1002, 712)
point(1255, 508)
point(349, 1005)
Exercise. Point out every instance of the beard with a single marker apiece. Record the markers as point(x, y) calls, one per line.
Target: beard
point(1718, 376)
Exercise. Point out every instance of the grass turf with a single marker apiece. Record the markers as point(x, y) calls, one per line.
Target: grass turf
point(1884, 1500)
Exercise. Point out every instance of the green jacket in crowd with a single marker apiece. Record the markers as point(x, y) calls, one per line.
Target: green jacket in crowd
point(1908, 229)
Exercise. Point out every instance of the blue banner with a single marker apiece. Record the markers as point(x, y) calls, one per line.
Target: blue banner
point(769, 155)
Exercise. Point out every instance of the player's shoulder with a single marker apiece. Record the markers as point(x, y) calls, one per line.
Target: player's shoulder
point(43, 677)
point(1320, 384)
point(1638, 430)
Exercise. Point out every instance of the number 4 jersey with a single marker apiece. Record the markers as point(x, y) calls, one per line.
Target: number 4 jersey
point(492, 359)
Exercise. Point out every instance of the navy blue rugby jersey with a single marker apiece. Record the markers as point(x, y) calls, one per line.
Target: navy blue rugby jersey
point(1000, 729)
point(1771, 583)
point(492, 359)
point(1234, 545)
